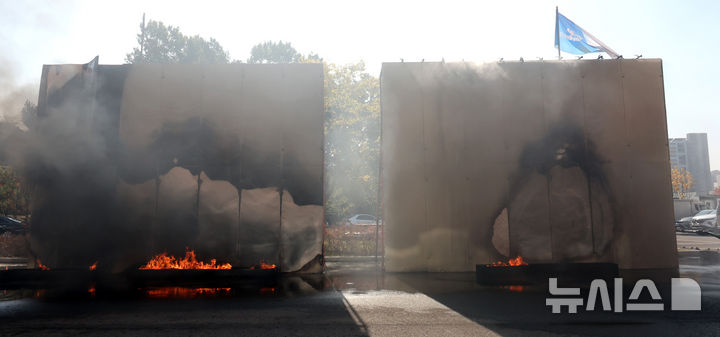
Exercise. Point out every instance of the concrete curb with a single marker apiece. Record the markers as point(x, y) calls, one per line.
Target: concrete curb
point(351, 258)
point(14, 260)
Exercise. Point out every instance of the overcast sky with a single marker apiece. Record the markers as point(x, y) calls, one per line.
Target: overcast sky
point(682, 33)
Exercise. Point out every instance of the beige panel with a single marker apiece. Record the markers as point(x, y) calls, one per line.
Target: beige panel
point(302, 126)
point(222, 96)
point(480, 90)
point(155, 95)
point(624, 218)
point(525, 78)
point(405, 121)
point(562, 94)
point(606, 134)
point(259, 233)
point(645, 105)
point(218, 221)
point(403, 171)
point(455, 240)
point(571, 232)
point(529, 218)
point(301, 237)
point(605, 110)
point(176, 223)
point(653, 230)
point(548, 141)
point(649, 167)
point(403, 227)
point(303, 140)
point(438, 182)
point(139, 203)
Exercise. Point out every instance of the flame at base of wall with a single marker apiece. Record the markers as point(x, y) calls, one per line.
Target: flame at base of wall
point(518, 261)
point(165, 261)
point(264, 265)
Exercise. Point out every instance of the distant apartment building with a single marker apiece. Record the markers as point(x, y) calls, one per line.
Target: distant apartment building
point(678, 152)
point(691, 153)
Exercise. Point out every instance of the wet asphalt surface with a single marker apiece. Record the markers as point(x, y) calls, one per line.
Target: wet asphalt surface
point(352, 299)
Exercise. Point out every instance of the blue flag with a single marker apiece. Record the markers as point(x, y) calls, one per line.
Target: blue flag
point(575, 40)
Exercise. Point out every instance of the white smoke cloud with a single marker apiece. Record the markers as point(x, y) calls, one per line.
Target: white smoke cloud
point(13, 95)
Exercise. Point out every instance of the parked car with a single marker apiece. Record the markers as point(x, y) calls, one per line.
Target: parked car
point(363, 219)
point(686, 224)
point(705, 220)
point(10, 225)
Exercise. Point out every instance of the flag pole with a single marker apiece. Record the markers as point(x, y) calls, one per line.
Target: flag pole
point(557, 31)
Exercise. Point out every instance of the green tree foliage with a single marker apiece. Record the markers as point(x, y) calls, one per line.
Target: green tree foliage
point(13, 198)
point(352, 141)
point(275, 52)
point(352, 130)
point(158, 43)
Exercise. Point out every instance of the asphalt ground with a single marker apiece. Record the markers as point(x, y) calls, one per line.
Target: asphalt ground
point(692, 241)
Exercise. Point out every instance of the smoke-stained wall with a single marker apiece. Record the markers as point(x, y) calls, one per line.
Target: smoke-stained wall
point(134, 160)
point(561, 161)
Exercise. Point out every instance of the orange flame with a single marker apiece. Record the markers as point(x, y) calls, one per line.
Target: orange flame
point(165, 261)
point(518, 261)
point(41, 266)
point(264, 265)
point(267, 291)
point(93, 266)
point(91, 290)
